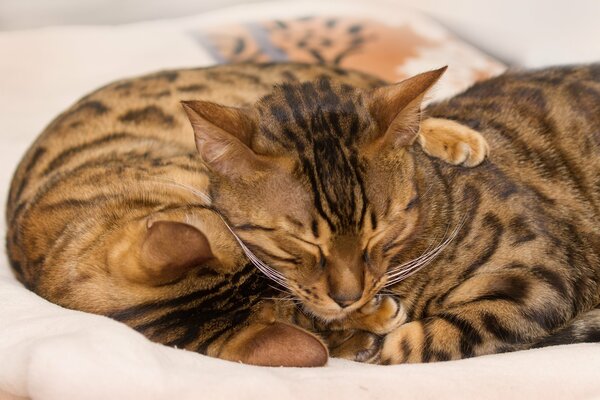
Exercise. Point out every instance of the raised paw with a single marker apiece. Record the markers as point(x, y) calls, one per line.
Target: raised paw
point(452, 142)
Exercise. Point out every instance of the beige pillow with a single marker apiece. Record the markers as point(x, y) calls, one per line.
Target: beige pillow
point(388, 51)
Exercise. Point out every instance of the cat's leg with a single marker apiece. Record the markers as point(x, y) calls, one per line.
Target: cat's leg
point(488, 313)
point(451, 335)
point(281, 334)
point(355, 345)
point(452, 142)
point(585, 328)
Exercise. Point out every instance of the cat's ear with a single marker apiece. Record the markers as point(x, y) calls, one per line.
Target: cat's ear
point(223, 136)
point(275, 344)
point(170, 249)
point(396, 108)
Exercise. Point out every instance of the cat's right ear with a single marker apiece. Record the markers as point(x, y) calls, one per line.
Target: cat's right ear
point(223, 135)
point(396, 108)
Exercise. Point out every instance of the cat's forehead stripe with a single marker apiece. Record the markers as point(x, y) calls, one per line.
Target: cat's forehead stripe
point(322, 122)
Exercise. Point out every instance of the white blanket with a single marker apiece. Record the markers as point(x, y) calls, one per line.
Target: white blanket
point(55, 354)
point(47, 352)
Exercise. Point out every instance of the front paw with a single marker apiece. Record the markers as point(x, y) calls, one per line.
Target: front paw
point(357, 346)
point(381, 315)
point(452, 142)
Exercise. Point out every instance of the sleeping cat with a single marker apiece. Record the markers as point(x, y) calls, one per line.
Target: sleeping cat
point(321, 183)
point(320, 186)
point(109, 213)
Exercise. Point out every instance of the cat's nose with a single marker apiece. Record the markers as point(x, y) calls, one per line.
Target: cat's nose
point(345, 301)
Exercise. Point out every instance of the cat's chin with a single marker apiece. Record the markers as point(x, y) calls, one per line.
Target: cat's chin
point(331, 316)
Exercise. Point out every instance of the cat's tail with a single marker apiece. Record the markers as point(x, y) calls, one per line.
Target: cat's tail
point(582, 329)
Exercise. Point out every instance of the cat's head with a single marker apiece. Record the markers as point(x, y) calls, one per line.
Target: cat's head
point(317, 181)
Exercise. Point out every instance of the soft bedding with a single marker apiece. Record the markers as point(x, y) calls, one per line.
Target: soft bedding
point(47, 352)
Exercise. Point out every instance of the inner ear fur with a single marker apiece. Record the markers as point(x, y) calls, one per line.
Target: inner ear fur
point(396, 108)
point(275, 344)
point(235, 121)
point(170, 249)
point(155, 251)
point(223, 136)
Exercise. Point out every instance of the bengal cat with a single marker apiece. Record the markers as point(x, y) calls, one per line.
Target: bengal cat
point(317, 182)
point(109, 213)
point(511, 248)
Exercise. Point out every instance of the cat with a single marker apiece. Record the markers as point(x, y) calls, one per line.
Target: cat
point(322, 184)
point(112, 211)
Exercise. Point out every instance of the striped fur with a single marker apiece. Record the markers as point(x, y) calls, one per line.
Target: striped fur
point(117, 173)
point(503, 277)
point(335, 201)
point(524, 269)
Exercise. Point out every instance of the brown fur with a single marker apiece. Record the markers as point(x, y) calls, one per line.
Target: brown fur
point(521, 256)
point(108, 214)
point(525, 265)
point(319, 178)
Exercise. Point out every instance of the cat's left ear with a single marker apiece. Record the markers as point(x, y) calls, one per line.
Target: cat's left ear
point(396, 108)
point(223, 135)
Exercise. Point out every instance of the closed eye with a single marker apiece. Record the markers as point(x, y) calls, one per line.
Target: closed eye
point(322, 261)
point(304, 241)
point(372, 242)
point(252, 227)
point(267, 255)
point(412, 203)
point(366, 257)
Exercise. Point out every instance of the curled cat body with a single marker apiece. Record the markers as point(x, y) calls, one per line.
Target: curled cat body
point(388, 248)
point(109, 212)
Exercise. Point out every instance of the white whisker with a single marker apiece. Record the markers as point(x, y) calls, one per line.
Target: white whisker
point(268, 271)
point(279, 289)
point(282, 298)
point(203, 196)
point(418, 261)
point(430, 249)
point(403, 271)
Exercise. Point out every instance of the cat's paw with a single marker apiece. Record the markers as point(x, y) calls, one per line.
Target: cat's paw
point(452, 142)
point(380, 315)
point(364, 331)
point(358, 346)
